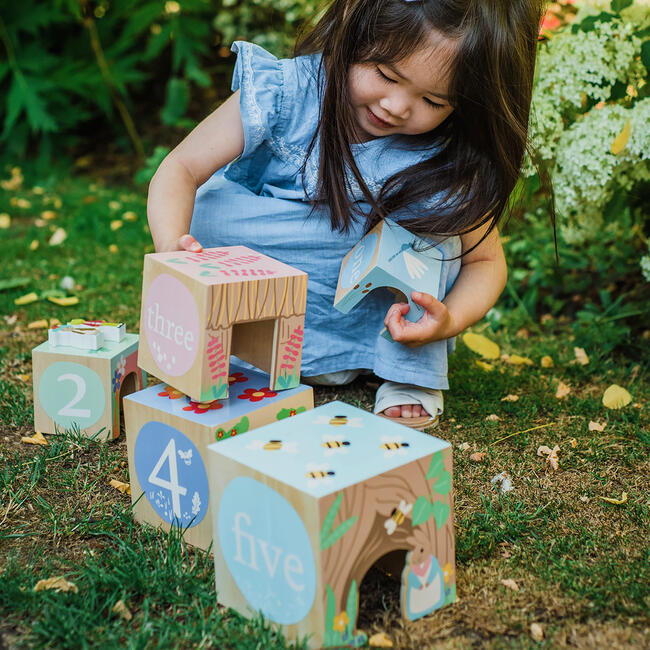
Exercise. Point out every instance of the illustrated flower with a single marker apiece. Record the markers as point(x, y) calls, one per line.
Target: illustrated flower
point(237, 378)
point(340, 622)
point(219, 434)
point(171, 392)
point(203, 407)
point(256, 395)
point(117, 380)
point(121, 365)
point(447, 572)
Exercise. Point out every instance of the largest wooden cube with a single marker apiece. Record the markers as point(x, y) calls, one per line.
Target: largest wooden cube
point(302, 508)
point(199, 308)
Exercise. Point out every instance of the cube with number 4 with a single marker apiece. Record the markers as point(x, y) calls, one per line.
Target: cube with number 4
point(81, 389)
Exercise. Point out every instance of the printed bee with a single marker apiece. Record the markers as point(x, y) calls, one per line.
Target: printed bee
point(334, 444)
point(273, 445)
point(186, 456)
point(318, 474)
point(339, 421)
point(397, 516)
point(393, 445)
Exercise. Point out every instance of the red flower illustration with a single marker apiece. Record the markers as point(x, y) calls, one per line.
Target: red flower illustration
point(171, 392)
point(203, 407)
point(237, 378)
point(220, 434)
point(257, 394)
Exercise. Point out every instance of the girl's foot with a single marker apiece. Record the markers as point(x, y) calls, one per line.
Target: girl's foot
point(413, 406)
point(405, 411)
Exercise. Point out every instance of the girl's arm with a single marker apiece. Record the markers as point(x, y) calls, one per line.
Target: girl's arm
point(215, 142)
point(480, 282)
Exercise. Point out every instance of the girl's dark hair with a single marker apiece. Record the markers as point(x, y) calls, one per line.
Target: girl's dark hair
point(481, 145)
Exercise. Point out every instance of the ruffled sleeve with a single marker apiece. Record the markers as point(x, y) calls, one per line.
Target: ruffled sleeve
point(259, 77)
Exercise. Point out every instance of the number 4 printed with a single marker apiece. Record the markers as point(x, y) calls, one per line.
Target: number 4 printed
point(172, 485)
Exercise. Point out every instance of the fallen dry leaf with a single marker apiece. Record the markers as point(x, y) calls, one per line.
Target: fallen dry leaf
point(38, 325)
point(59, 236)
point(581, 356)
point(547, 362)
point(616, 502)
point(380, 640)
point(54, 322)
point(122, 610)
point(616, 397)
point(551, 455)
point(536, 632)
point(573, 442)
point(596, 426)
point(511, 584)
point(124, 488)
point(58, 583)
point(484, 365)
point(481, 345)
point(68, 301)
point(113, 249)
point(477, 456)
point(34, 245)
point(516, 360)
point(464, 446)
point(27, 299)
point(25, 378)
point(48, 215)
point(37, 439)
point(116, 224)
point(621, 139)
point(130, 216)
point(510, 398)
point(493, 417)
point(562, 390)
point(5, 221)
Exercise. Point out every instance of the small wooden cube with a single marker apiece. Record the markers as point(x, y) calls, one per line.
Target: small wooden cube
point(199, 308)
point(389, 256)
point(302, 508)
point(167, 436)
point(82, 389)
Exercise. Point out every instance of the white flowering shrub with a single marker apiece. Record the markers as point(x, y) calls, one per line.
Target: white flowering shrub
point(590, 118)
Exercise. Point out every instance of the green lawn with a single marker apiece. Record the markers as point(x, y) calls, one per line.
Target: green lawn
point(581, 564)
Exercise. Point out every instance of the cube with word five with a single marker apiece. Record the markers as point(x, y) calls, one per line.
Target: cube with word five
point(198, 308)
point(389, 256)
point(302, 508)
point(79, 385)
point(167, 436)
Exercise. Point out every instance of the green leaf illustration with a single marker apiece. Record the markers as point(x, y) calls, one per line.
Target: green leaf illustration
point(351, 608)
point(243, 425)
point(329, 519)
point(451, 596)
point(331, 637)
point(421, 511)
point(440, 513)
point(338, 532)
point(436, 466)
point(443, 484)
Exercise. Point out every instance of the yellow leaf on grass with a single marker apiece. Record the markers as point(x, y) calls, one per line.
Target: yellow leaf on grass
point(510, 398)
point(562, 390)
point(516, 360)
point(537, 632)
point(481, 345)
point(48, 215)
point(64, 302)
point(27, 299)
point(478, 456)
point(5, 221)
point(38, 325)
point(113, 249)
point(37, 439)
point(380, 640)
point(124, 488)
point(616, 397)
point(116, 224)
point(621, 139)
point(547, 362)
point(130, 216)
point(581, 356)
point(616, 502)
point(24, 378)
point(34, 245)
point(488, 367)
point(58, 583)
point(122, 610)
point(511, 584)
point(596, 426)
point(59, 236)
point(493, 417)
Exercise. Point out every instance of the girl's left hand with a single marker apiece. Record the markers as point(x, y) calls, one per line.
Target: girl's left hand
point(435, 324)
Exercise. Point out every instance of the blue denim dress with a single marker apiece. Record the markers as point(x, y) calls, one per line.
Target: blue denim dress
point(259, 201)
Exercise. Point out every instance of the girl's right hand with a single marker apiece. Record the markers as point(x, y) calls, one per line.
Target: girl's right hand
point(183, 243)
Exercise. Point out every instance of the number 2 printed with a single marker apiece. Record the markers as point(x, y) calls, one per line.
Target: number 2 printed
point(81, 391)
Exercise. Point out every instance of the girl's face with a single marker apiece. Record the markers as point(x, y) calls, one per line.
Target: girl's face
point(408, 97)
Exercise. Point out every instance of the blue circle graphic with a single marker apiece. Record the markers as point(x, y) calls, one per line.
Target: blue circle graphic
point(358, 262)
point(267, 550)
point(172, 474)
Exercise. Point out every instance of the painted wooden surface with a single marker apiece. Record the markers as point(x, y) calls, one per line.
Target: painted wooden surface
point(389, 256)
point(81, 390)
point(168, 434)
point(199, 308)
point(358, 487)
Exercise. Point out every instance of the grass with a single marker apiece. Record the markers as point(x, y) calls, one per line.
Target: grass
point(582, 565)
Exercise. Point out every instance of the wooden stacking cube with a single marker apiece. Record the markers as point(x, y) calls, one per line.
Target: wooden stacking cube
point(77, 388)
point(302, 508)
point(167, 436)
point(198, 308)
point(389, 256)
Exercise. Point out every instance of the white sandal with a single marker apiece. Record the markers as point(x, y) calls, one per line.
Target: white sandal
point(391, 393)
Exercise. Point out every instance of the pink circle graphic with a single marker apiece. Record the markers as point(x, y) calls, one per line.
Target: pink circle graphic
point(171, 325)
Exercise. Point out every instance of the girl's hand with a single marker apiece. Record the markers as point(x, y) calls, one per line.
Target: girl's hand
point(183, 243)
point(436, 322)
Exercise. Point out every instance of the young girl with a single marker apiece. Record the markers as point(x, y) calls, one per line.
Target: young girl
point(413, 109)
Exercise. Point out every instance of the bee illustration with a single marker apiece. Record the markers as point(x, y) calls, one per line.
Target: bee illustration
point(274, 445)
point(339, 421)
point(334, 444)
point(393, 445)
point(318, 474)
point(186, 456)
point(397, 516)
